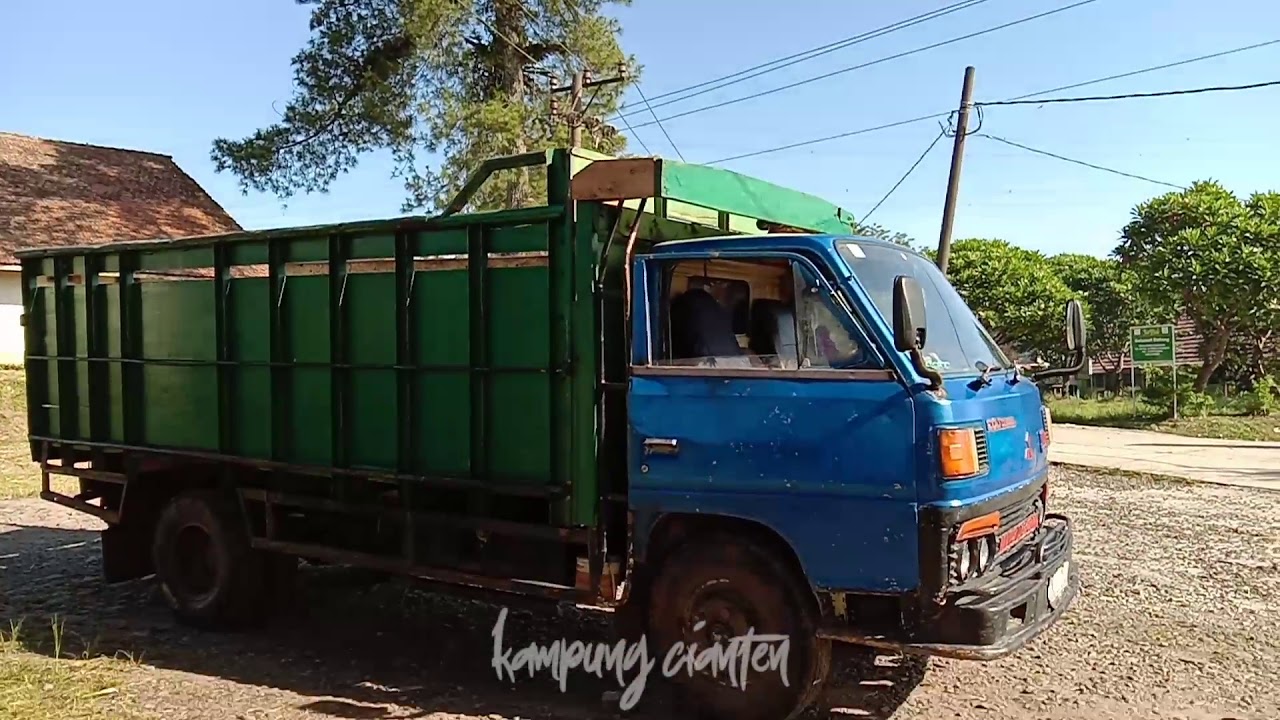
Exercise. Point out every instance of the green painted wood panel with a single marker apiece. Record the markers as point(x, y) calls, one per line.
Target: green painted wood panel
point(53, 405)
point(519, 344)
point(306, 325)
point(80, 319)
point(179, 402)
point(442, 411)
point(177, 330)
point(249, 312)
point(370, 302)
point(115, 376)
point(373, 246)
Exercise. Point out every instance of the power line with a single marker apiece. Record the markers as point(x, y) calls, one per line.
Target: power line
point(639, 139)
point(1078, 162)
point(1095, 81)
point(1143, 71)
point(905, 175)
point(887, 58)
point(813, 52)
point(829, 138)
point(1131, 96)
point(796, 58)
point(661, 127)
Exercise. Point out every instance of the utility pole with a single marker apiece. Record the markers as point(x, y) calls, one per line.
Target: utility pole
point(577, 115)
point(575, 108)
point(953, 181)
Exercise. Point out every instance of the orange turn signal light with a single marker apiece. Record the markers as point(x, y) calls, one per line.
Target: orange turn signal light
point(982, 525)
point(958, 451)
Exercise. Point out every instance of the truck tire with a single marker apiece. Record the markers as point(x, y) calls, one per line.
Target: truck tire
point(734, 584)
point(209, 575)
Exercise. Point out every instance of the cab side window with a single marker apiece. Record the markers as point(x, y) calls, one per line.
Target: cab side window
point(737, 314)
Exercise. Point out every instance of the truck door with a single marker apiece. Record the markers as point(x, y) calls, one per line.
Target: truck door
point(757, 393)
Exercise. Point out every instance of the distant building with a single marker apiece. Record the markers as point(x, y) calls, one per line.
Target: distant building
point(62, 193)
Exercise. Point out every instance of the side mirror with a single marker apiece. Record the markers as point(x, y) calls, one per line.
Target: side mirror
point(1075, 327)
point(908, 314)
point(1075, 344)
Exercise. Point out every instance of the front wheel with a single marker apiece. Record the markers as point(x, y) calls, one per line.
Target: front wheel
point(209, 575)
point(716, 588)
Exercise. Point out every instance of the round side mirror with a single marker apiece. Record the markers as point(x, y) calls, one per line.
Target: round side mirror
point(1075, 326)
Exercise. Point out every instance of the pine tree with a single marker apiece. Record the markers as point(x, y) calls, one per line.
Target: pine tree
point(440, 85)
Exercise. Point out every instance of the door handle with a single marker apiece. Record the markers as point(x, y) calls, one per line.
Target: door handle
point(661, 446)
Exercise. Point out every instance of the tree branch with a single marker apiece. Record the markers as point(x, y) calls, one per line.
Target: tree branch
point(376, 65)
point(541, 51)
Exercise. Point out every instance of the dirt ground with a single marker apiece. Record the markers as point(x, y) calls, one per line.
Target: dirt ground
point(1180, 618)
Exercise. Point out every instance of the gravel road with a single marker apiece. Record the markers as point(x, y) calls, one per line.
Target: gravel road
point(1180, 618)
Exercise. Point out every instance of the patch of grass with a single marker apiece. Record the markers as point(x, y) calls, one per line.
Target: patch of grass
point(35, 686)
point(19, 476)
point(1125, 413)
point(1224, 427)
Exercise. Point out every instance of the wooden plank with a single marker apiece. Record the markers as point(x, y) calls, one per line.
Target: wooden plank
point(624, 179)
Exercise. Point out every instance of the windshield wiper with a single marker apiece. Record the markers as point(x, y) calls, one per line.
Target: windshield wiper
point(1016, 375)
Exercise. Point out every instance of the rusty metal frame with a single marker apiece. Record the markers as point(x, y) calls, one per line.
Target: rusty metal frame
point(424, 572)
point(517, 490)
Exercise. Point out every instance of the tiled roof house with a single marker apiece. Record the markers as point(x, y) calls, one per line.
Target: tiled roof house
point(63, 193)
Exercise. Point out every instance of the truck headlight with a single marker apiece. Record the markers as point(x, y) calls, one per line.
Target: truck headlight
point(982, 553)
point(964, 563)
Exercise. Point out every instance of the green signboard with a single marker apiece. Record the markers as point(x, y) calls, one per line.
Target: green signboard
point(1152, 344)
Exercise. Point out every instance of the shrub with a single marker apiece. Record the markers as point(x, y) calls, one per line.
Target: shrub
point(1194, 404)
point(1158, 391)
point(1264, 399)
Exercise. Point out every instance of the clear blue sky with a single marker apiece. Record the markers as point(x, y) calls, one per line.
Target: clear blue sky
point(170, 76)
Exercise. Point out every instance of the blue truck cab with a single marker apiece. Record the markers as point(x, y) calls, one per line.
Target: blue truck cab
point(882, 464)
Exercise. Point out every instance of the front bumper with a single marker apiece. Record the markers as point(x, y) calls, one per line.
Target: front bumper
point(996, 615)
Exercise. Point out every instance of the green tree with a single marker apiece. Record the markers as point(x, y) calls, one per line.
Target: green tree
point(439, 85)
point(1260, 331)
point(1016, 293)
point(1114, 304)
point(1204, 253)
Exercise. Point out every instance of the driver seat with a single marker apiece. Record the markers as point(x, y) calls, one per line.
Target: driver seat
point(773, 331)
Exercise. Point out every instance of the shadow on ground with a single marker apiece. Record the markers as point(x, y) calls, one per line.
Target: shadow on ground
point(354, 648)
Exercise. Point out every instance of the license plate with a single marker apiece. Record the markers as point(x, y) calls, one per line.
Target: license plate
point(1018, 533)
point(1058, 584)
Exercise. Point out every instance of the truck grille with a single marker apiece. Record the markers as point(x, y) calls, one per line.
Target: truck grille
point(1014, 515)
point(984, 452)
point(1020, 523)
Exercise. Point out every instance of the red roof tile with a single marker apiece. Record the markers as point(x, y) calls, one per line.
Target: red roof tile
point(61, 193)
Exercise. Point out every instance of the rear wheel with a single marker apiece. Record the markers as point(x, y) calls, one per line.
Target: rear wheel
point(209, 575)
point(715, 588)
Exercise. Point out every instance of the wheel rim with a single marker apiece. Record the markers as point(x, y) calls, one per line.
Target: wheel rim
point(195, 563)
point(717, 613)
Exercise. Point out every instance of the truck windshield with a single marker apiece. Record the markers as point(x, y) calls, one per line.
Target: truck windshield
point(955, 340)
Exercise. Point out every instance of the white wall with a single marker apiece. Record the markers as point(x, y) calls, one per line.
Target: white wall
point(11, 335)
